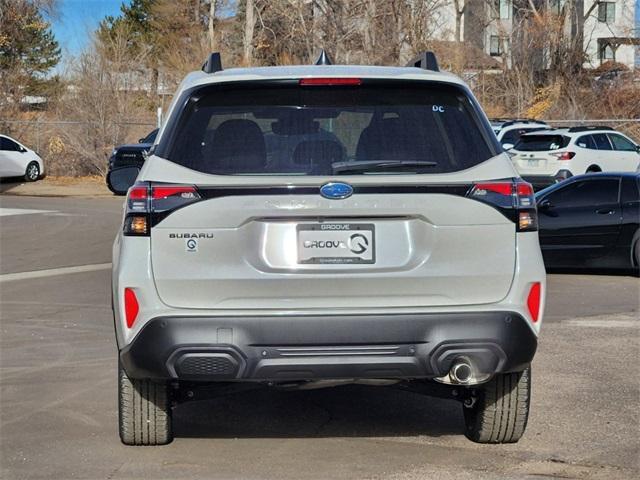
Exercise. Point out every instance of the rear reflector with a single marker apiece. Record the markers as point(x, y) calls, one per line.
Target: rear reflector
point(533, 301)
point(131, 306)
point(330, 81)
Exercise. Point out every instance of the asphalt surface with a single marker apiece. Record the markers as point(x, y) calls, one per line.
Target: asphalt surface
point(58, 413)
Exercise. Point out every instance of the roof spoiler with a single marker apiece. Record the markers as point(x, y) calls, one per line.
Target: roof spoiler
point(213, 64)
point(585, 128)
point(426, 60)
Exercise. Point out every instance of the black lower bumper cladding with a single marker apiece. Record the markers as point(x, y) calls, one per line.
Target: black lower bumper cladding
point(286, 348)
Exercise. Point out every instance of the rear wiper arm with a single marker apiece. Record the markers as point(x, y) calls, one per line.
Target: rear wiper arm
point(380, 165)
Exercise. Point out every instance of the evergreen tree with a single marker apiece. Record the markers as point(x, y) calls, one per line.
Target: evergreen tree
point(28, 51)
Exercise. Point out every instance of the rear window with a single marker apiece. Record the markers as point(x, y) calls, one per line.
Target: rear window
point(512, 136)
point(288, 129)
point(541, 143)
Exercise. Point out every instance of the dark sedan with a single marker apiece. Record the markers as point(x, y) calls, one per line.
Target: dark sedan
point(591, 222)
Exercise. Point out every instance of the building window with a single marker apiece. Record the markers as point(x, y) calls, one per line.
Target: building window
point(607, 53)
point(502, 9)
point(498, 45)
point(607, 12)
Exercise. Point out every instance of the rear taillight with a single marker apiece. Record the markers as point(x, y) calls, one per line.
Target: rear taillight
point(148, 203)
point(564, 155)
point(513, 198)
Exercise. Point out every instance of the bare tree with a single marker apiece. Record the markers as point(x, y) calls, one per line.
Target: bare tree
point(249, 27)
point(212, 17)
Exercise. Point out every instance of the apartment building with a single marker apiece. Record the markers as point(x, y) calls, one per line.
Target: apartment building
point(609, 29)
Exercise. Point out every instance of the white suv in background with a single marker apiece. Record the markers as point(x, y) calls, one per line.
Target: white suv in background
point(510, 131)
point(548, 156)
point(16, 160)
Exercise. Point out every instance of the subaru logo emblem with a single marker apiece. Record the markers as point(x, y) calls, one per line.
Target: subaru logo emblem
point(336, 191)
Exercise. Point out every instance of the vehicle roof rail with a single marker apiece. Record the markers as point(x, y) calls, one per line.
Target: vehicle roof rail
point(213, 63)
point(323, 58)
point(425, 60)
point(586, 128)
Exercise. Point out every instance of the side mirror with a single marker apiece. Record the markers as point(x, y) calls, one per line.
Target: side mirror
point(141, 140)
point(638, 148)
point(121, 179)
point(23, 150)
point(545, 204)
point(508, 146)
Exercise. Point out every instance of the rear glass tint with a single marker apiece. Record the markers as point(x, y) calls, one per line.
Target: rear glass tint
point(541, 143)
point(308, 130)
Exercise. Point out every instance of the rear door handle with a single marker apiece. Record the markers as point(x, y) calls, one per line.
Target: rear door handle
point(605, 211)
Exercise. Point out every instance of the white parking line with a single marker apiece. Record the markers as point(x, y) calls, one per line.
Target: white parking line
point(52, 272)
point(5, 212)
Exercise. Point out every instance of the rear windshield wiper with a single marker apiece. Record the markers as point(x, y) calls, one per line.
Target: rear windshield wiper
point(381, 165)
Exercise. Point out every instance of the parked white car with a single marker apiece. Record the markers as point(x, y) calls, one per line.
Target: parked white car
point(548, 156)
point(510, 131)
point(16, 160)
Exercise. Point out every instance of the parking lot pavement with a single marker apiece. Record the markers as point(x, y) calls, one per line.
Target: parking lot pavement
point(58, 415)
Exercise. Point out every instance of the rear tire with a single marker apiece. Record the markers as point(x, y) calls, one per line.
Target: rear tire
point(144, 411)
point(635, 252)
point(593, 169)
point(32, 173)
point(501, 411)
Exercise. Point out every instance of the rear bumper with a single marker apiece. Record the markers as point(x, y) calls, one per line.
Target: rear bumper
point(285, 348)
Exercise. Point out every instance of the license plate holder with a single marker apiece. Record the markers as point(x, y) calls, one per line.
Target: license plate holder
point(336, 243)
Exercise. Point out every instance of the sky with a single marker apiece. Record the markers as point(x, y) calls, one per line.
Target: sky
point(75, 20)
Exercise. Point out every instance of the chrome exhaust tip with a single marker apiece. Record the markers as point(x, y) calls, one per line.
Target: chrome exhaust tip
point(463, 372)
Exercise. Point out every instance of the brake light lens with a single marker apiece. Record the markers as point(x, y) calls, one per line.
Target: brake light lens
point(131, 307)
point(533, 301)
point(564, 155)
point(515, 199)
point(321, 81)
point(183, 191)
point(148, 203)
point(501, 188)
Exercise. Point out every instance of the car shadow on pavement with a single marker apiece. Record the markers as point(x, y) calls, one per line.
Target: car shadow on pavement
point(347, 411)
point(7, 184)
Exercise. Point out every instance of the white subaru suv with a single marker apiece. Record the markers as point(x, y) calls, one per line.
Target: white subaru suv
point(311, 226)
point(548, 156)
